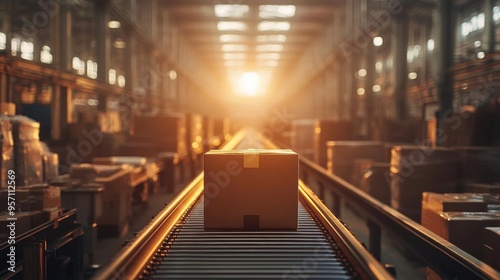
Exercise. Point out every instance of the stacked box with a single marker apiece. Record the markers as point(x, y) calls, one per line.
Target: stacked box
point(342, 154)
point(415, 170)
point(479, 165)
point(28, 151)
point(50, 163)
point(325, 131)
point(491, 247)
point(303, 137)
point(33, 198)
point(465, 229)
point(116, 202)
point(7, 143)
point(376, 182)
point(167, 133)
point(433, 204)
point(251, 190)
point(359, 167)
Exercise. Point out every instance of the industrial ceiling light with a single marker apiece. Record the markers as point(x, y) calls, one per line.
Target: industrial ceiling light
point(235, 11)
point(276, 11)
point(430, 45)
point(249, 83)
point(230, 38)
point(269, 48)
point(378, 41)
point(271, 38)
point(274, 26)
point(114, 24)
point(231, 26)
point(234, 48)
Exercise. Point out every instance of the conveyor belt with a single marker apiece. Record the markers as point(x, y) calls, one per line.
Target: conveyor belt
point(190, 252)
point(174, 245)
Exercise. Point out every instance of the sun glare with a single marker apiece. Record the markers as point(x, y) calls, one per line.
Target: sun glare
point(249, 83)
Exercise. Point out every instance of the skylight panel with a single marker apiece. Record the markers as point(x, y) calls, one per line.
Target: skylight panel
point(231, 26)
point(274, 26)
point(234, 48)
point(276, 11)
point(236, 11)
point(271, 38)
point(269, 48)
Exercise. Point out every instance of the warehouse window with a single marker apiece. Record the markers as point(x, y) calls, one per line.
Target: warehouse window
point(45, 55)
point(3, 41)
point(473, 24)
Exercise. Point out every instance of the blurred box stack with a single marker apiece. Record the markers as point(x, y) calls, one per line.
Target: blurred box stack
point(309, 137)
point(28, 151)
point(464, 229)
point(155, 134)
point(41, 198)
point(325, 131)
point(303, 137)
point(460, 218)
point(376, 181)
point(415, 170)
point(116, 196)
point(359, 167)
point(342, 154)
point(478, 165)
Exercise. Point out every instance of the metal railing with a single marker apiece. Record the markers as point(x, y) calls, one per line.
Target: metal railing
point(391, 236)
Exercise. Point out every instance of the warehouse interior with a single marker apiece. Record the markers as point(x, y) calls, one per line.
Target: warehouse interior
point(110, 111)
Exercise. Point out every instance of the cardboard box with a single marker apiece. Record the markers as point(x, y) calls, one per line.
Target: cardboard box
point(465, 229)
point(491, 247)
point(433, 204)
point(33, 198)
point(415, 170)
point(251, 189)
point(341, 155)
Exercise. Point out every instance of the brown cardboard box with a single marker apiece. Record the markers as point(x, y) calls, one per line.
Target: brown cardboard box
point(251, 189)
point(341, 155)
point(415, 170)
point(433, 204)
point(491, 247)
point(464, 229)
point(33, 198)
